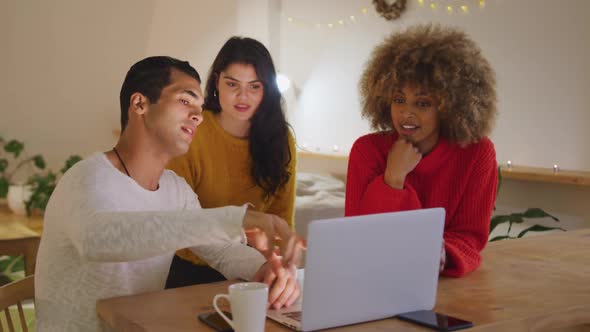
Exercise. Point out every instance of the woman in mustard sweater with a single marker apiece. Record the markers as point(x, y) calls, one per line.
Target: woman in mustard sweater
point(243, 152)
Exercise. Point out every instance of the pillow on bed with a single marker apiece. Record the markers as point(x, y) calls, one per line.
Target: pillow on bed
point(312, 183)
point(318, 196)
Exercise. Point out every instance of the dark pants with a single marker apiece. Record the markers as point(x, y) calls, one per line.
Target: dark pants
point(184, 273)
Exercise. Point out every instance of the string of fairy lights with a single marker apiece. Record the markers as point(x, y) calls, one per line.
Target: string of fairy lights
point(451, 7)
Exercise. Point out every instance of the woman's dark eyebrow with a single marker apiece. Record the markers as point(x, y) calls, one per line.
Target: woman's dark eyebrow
point(233, 79)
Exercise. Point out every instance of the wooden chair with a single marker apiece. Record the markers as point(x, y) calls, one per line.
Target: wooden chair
point(27, 246)
point(13, 294)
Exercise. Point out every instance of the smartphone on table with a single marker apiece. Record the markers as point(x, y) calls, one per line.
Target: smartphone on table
point(435, 320)
point(215, 321)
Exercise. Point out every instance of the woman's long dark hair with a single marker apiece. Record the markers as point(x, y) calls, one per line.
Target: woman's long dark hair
point(268, 138)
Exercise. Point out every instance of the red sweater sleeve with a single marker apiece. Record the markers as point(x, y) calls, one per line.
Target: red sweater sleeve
point(466, 232)
point(366, 190)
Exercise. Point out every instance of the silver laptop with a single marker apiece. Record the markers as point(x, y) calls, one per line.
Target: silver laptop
point(367, 268)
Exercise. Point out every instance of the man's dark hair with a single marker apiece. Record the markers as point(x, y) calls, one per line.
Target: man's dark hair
point(148, 77)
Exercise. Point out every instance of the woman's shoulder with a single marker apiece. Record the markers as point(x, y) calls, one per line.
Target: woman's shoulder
point(290, 137)
point(378, 140)
point(484, 146)
point(481, 152)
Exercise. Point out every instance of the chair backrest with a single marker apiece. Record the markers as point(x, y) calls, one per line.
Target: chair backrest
point(26, 246)
point(14, 294)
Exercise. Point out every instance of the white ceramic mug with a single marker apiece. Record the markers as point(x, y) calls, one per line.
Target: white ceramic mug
point(248, 306)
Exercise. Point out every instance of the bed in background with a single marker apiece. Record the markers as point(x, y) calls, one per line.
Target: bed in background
point(320, 188)
point(319, 196)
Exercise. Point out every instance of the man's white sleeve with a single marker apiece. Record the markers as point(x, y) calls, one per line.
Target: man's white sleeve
point(126, 236)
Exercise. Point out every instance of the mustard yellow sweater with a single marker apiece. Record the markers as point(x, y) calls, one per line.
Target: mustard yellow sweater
point(217, 167)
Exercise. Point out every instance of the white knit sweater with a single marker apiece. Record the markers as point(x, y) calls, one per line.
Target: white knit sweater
point(105, 236)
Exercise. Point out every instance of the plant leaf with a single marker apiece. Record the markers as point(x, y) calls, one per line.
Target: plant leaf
point(537, 213)
point(537, 228)
point(19, 264)
point(501, 237)
point(5, 262)
point(516, 218)
point(15, 263)
point(3, 164)
point(497, 220)
point(72, 160)
point(15, 147)
point(39, 161)
point(42, 188)
point(4, 184)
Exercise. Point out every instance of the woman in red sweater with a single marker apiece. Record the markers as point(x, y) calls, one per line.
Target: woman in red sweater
point(432, 94)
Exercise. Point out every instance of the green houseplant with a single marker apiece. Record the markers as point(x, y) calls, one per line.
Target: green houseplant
point(40, 185)
point(15, 149)
point(519, 218)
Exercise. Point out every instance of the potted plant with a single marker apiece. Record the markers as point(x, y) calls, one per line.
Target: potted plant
point(519, 218)
point(42, 186)
point(34, 193)
point(16, 193)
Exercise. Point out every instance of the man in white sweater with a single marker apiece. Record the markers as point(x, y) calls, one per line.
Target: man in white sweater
point(115, 219)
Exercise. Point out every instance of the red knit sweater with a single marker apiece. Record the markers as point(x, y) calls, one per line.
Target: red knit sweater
point(461, 180)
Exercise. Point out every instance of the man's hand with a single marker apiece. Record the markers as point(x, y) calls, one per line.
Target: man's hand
point(401, 160)
point(282, 282)
point(265, 230)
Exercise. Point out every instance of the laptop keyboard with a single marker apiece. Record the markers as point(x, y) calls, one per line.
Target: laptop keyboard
point(295, 315)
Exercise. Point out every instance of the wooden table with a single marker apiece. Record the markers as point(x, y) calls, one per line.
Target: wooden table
point(13, 226)
point(539, 283)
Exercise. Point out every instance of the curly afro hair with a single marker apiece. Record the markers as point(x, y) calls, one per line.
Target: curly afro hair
point(446, 63)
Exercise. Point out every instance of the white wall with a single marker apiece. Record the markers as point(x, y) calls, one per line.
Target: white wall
point(539, 49)
point(63, 62)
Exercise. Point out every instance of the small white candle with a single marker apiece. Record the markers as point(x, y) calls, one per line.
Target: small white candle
point(555, 168)
point(509, 164)
point(335, 148)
